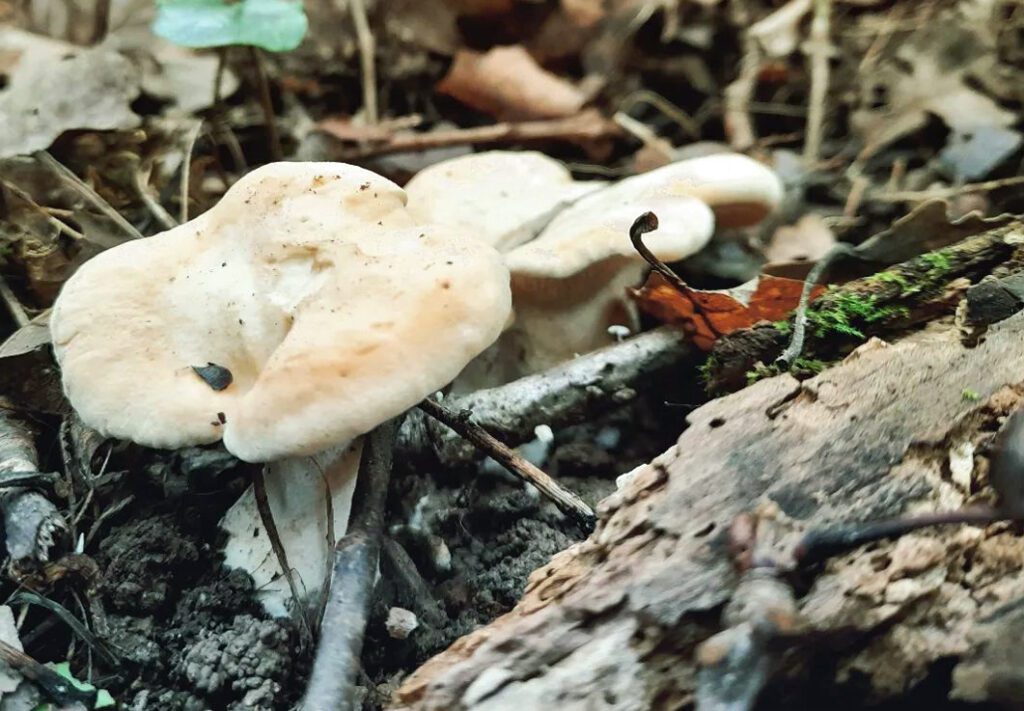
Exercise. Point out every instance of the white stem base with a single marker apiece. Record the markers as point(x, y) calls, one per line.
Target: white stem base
point(297, 491)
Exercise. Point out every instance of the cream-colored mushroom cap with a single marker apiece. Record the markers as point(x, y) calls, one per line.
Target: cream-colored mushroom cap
point(332, 309)
point(596, 229)
point(499, 196)
point(569, 285)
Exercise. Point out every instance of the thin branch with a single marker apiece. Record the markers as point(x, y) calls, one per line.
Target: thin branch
point(954, 191)
point(331, 685)
point(817, 273)
point(367, 64)
point(57, 688)
point(14, 307)
point(259, 490)
point(186, 171)
point(648, 222)
point(569, 503)
point(268, 107)
point(47, 212)
point(155, 208)
point(90, 195)
point(817, 48)
point(588, 125)
point(817, 545)
point(567, 394)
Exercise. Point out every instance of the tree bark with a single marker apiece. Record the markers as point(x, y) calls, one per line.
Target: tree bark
point(614, 622)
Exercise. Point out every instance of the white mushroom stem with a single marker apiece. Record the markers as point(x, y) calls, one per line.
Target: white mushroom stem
point(308, 521)
point(557, 319)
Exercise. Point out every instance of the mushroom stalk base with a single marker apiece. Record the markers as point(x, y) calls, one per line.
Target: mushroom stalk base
point(297, 493)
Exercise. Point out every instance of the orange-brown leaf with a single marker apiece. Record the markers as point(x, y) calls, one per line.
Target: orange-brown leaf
point(706, 315)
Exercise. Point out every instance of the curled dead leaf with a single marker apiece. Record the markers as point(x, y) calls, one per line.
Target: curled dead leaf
point(706, 315)
point(507, 83)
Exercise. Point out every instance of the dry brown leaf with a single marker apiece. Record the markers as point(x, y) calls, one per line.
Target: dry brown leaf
point(91, 89)
point(932, 74)
point(707, 315)
point(508, 84)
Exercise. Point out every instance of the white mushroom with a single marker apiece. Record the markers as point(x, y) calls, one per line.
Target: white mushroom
point(569, 284)
point(302, 311)
point(502, 197)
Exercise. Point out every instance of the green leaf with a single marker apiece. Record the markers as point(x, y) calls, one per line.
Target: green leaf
point(103, 698)
point(274, 25)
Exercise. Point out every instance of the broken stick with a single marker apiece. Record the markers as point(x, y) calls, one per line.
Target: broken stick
point(31, 521)
point(567, 502)
point(331, 685)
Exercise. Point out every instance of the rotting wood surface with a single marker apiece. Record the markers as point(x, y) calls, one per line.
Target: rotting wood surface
point(613, 622)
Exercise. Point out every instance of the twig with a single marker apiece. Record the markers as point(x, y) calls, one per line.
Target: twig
point(739, 128)
point(31, 522)
point(666, 107)
point(218, 77)
point(33, 480)
point(47, 212)
point(818, 545)
point(565, 395)
point(76, 625)
point(648, 222)
point(186, 170)
point(100, 21)
point(155, 208)
point(331, 684)
point(259, 490)
point(268, 107)
point(88, 193)
point(587, 125)
point(567, 502)
point(367, 64)
point(14, 307)
point(817, 273)
point(56, 687)
point(817, 49)
point(922, 195)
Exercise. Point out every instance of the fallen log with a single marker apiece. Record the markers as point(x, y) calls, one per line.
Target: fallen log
point(615, 621)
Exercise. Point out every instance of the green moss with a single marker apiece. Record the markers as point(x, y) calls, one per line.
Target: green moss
point(895, 278)
point(970, 395)
point(760, 372)
point(784, 327)
point(801, 367)
point(845, 312)
point(938, 262)
point(707, 369)
point(809, 365)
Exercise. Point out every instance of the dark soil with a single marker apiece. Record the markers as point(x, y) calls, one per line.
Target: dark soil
point(458, 551)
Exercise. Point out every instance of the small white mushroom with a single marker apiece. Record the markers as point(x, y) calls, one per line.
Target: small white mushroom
point(299, 313)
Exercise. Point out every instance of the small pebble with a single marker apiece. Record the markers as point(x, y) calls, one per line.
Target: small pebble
point(400, 622)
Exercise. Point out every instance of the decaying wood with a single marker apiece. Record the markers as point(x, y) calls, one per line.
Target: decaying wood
point(912, 292)
point(32, 523)
point(616, 619)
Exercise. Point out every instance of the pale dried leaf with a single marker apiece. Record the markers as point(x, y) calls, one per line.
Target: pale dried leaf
point(508, 84)
point(92, 89)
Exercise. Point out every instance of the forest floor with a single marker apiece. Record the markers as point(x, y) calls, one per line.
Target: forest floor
point(895, 128)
